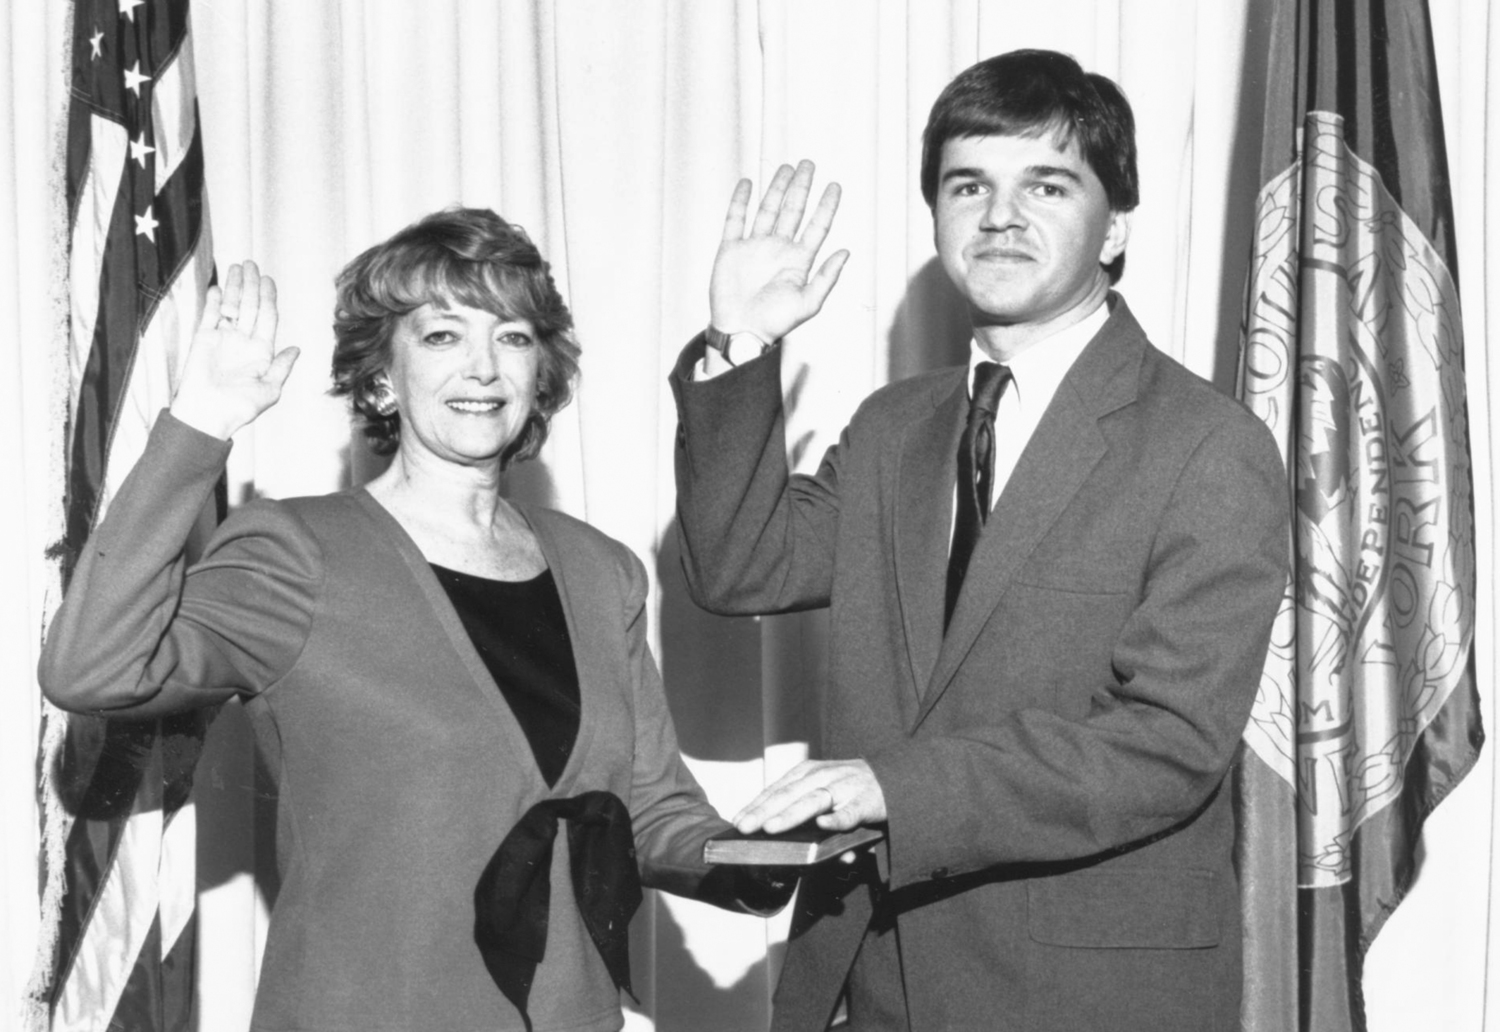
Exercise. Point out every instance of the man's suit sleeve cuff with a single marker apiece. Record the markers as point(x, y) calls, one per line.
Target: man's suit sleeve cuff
point(694, 363)
point(917, 844)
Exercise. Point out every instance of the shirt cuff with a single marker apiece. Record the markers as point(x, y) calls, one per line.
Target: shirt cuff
point(744, 347)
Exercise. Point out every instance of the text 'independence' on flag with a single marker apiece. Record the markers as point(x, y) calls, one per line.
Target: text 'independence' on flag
point(1353, 354)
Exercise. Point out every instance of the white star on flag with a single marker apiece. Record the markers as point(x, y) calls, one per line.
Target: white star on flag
point(134, 78)
point(117, 906)
point(145, 225)
point(139, 148)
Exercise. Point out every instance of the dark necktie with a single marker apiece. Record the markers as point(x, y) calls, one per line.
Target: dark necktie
point(976, 475)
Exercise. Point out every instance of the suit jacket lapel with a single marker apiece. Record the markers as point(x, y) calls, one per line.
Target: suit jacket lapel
point(458, 638)
point(1064, 449)
point(586, 604)
point(924, 513)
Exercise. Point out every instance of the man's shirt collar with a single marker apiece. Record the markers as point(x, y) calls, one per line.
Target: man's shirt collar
point(1039, 369)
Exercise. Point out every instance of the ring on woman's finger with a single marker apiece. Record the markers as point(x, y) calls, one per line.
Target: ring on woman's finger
point(831, 804)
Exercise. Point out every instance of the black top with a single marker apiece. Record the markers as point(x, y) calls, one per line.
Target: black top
point(519, 630)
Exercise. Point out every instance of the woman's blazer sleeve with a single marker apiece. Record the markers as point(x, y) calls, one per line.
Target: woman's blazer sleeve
point(669, 812)
point(139, 633)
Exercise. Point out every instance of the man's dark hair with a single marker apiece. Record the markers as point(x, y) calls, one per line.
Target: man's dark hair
point(1031, 92)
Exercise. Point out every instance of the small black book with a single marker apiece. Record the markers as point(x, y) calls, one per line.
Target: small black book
point(804, 844)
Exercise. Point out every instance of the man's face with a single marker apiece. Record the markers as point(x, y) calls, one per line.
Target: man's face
point(1024, 230)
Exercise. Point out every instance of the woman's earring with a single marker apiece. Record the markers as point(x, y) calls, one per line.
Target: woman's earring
point(385, 402)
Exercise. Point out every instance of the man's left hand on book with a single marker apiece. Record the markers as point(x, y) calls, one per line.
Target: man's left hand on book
point(839, 794)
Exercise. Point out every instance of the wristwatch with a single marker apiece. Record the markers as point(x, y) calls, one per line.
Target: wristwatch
point(738, 347)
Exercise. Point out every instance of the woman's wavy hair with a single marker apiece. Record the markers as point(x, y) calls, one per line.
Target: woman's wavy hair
point(468, 256)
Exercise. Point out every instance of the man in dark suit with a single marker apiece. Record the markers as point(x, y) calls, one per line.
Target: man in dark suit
point(1052, 577)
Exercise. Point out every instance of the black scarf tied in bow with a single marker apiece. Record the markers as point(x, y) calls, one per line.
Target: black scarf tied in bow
point(514, 893)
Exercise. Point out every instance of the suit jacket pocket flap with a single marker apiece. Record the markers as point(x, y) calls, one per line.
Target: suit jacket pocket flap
point(1139, 909)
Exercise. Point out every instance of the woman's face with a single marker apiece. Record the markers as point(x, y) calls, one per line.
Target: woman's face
point(464, 380)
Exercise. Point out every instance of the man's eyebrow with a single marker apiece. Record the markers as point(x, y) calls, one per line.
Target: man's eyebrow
point(1054, 172)
point(1033, 171)
point(962, 173)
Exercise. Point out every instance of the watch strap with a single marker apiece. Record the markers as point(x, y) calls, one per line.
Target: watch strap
point(740, 342)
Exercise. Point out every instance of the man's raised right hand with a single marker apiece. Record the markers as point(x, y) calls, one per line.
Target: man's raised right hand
point(763, 282)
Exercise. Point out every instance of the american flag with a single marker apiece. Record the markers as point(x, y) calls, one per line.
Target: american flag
point(118, 858)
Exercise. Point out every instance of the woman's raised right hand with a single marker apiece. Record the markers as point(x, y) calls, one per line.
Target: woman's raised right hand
point(233, 371)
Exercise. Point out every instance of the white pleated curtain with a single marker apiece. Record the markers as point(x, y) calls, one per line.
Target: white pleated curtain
point(613, 132)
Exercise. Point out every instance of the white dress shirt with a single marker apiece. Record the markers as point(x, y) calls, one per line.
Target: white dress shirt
point(1035, 376)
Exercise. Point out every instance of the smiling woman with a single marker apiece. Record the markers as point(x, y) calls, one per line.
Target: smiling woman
point(463, 380)
point(454, 266)
point(455, 348)
point(437, 677)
